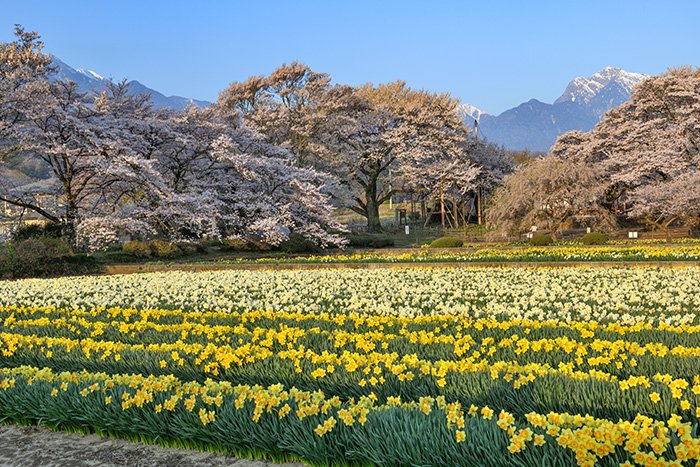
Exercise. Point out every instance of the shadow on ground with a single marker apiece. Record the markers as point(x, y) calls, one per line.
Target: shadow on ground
point(30, 446)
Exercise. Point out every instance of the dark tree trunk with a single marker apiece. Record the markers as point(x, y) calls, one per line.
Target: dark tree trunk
point(369, 207)
point(373, 222)
point(69, 225)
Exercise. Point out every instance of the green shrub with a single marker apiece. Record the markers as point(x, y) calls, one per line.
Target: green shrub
point(137, 249)
point(116, 256)
point(296, 243)
point(42, 257)
point(79, 265)
point(370, 240)
point(160, 249)
point(237, 244)
point(37, 231)
point(188, 248)
point(203, 246)
point(594, 238)
point(164, 249)
point(447, 242)
point(541, 240)
point(56, 246)
point(113, 248)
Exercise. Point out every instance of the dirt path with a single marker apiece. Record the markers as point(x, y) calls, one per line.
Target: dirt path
point(28, 446)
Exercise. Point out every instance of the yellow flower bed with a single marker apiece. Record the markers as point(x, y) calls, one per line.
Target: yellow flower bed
point(476, 254)
point(590, 439)
point(436, 367)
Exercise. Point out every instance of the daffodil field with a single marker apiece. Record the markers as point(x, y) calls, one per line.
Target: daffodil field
point(446, 367)
point(560, 253)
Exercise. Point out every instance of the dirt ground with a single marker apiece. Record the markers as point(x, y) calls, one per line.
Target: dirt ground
point(29, 446)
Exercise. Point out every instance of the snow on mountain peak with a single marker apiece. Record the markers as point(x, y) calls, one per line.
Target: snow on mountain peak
point(93, 83)
point(90, 74)
point(582, 90)
point(468, 110)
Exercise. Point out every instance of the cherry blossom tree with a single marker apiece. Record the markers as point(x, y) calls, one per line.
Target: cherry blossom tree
point(494, 164)
point(119, 168)
point(23, 69)
point(378, 140)
point(648, 149)
point(664, 203)
point(281, 107)
point(548, 193)
point(430, 141)
point(216, 180)
point(65, 136)
point(389, 138)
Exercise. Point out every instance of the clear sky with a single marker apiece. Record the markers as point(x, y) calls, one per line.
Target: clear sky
point(489, 53)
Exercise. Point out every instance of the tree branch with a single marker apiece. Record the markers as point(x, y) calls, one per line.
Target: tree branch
point(33, 207)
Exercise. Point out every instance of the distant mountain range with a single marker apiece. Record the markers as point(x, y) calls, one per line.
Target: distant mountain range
point(19, 169)
point(90, 81)
point(535, 125)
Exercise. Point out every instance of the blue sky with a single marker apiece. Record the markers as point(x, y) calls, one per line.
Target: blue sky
point(492, 54)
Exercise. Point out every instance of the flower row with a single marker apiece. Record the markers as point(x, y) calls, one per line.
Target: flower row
point(622, 295)
point(313, 427)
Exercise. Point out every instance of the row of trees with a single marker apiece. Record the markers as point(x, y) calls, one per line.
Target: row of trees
point(279, 154)
point(120, 167)
point(641, 162)
point(276, 155)
point(377, 140)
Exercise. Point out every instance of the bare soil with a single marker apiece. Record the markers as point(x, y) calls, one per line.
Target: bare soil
point(31, 446)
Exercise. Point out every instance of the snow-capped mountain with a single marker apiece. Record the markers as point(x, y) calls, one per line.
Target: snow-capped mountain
point(468, 110)
point(91, 81)
point(583, 90)
point(535, 125)
point(85, 79)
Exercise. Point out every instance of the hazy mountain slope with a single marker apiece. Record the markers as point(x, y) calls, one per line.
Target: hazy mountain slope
point(90, 81)
point(535, 125)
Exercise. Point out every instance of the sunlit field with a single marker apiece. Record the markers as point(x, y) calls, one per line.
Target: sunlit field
point(478, 366)
point(630, 252)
